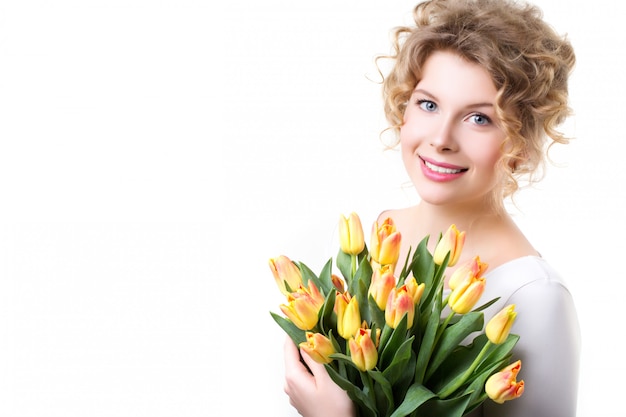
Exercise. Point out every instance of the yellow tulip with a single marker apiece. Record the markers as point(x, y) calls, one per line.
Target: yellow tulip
point(348, 315)
point(498, 328)
point(414, 289)
point(452, 241)
point(466, 295)
point(284, 270)
point(318, 347)
point(502, 386)
point(351, 237)
point(399, 303)
point(383, 281)
point(303, 306)
point(472, 268)
point(363, 349)
point(385, 243)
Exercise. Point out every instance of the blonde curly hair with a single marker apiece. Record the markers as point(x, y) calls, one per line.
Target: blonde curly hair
point(528, 61)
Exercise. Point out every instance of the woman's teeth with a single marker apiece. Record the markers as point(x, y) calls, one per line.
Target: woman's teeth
point(442, 170)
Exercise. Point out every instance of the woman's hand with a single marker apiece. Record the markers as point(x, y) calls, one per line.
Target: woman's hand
point(314, 393)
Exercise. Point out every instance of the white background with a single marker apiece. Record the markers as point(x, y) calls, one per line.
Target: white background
point(155, 155)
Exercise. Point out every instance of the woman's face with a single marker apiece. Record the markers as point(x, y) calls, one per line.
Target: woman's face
point(451, 139)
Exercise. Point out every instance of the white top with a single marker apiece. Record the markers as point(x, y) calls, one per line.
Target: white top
point(546, 322)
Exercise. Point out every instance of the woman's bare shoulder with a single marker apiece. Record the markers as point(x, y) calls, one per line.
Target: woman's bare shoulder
point(399, 215)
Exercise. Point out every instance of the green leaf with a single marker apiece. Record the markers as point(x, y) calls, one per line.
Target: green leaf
point(309, 275)
point(415, 396)
point(453, 407)
point(367, 407)
point(344, 264)
point(327, 318)
point(422, 265)
point(377, 316)
point(452, 336)
point(426, 348)
point(399, 365)
point(456, 364)
point(296, 334)
point(383, 391)
point(501, 351)
point(325, 280)
point(397, 338)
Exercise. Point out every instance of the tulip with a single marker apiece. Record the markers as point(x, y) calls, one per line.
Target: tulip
point(463, 298)
point(338, 283)
point(284, 270)
point(399, 303)
point(351, 237)
point(498, 328)
point(383, 281)
point(385, 243)
point(363, 349)
point(318, 347)
point(414, 289)
point(451, 242)
point(472, 268)
point(303, 306)
point(348, 315)
point(502, 386)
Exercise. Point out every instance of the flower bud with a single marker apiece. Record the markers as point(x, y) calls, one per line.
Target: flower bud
point(498, 328)
point(414, 290)
point(338, 283)
point(383, 281)
point(318, 347)
point(502, 386)
point(303, 306)
point(348, 315)
point(399, 303)
point(452, 241)
point(284, 270)
point(465, 296)
point(472, 268)
point(351, 237)
point(385, 243)
point(363, 349)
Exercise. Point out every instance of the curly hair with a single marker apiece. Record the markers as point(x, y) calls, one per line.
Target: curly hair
point(527, 60)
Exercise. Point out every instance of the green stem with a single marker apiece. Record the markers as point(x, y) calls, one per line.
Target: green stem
point(442, 328)
point(460, 381)
point(353, 258)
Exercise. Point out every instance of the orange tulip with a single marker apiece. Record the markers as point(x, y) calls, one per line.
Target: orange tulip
point(363, 349)
point(498, 328)
point(318, 347)
point(399, 303)
point(502, 386)
point(338, 283)
point(383, 281)
point(348, 315)
point(351, 237)
point(451, 242)
point(284, 270)
point(385, 243)
point(472, 268)
point(303, 306)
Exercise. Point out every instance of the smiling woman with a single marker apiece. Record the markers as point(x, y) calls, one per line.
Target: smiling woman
point(451, 137)
point(477, 90)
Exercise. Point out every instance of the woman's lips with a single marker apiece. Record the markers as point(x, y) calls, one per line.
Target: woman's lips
point(439, 171)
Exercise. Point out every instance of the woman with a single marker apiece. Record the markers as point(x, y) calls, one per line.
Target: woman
point(477, 90)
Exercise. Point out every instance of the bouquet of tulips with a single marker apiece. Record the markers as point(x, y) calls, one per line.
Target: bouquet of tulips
point(392, 341)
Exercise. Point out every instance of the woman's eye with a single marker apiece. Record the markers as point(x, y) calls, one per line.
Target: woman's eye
point(427, 105)
point(480, 119)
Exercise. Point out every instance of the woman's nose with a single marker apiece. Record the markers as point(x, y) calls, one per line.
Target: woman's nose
point(443, 138)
